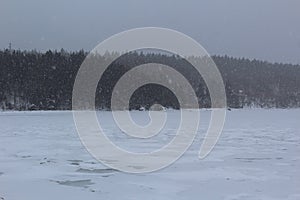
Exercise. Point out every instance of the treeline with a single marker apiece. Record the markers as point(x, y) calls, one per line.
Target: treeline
point(30, 80)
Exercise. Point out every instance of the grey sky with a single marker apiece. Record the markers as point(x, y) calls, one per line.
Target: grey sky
point(262, 29)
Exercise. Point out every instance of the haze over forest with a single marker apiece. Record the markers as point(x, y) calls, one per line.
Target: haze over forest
point(257, 29)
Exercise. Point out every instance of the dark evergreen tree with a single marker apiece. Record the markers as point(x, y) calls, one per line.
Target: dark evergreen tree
point(30, 80)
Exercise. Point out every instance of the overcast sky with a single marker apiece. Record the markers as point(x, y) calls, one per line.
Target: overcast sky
point(262, 29)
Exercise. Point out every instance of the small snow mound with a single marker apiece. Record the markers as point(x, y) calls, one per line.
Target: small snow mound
point(157, 107)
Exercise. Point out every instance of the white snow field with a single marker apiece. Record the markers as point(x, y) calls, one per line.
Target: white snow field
point(257, 157)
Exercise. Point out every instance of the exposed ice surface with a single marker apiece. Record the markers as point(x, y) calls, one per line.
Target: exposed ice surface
point(257, 157)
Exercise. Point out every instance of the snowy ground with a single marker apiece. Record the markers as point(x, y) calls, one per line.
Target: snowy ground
point(257, 157)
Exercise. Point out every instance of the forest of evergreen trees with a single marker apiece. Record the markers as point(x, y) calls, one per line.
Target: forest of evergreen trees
point(31, 80)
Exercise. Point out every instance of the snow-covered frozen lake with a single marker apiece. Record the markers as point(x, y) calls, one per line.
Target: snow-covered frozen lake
point(257, 157)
